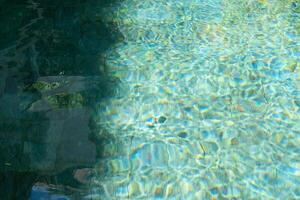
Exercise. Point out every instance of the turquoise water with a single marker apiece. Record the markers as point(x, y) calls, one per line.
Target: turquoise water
point(209, 101)
point(153, 99)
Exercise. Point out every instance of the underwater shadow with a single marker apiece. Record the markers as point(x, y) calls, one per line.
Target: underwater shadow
point(52, 76)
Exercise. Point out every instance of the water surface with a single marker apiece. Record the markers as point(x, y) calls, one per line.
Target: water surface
point(208, 107)
point(153, 99)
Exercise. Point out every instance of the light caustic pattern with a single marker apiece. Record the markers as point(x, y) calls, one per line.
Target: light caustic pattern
point(209, 101)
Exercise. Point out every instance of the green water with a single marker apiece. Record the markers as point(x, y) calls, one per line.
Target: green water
point(153, 99)
point(208, 107)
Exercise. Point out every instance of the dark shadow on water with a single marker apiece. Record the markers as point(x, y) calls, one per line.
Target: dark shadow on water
point(52, 76)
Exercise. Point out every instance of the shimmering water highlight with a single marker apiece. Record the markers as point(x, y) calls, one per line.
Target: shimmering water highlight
point(224, 77)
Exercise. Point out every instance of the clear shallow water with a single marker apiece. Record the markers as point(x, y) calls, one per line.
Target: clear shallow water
point(192, 100)
point(208, 105)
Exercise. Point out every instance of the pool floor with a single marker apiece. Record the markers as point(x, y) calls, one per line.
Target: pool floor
point(208, 105)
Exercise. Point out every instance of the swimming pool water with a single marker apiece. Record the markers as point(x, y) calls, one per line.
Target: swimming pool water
point(209, 103)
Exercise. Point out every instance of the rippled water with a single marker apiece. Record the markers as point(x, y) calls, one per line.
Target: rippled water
point(153, 99)
point(209, 101)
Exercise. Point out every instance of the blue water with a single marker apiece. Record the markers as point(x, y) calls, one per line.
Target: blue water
point(153, 99)
point(225, 77)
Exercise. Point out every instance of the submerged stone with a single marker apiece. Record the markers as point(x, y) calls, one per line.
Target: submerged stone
point(162, 119)
point(183, 134)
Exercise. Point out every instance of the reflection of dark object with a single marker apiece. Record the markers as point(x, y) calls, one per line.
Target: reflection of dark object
point(9, 180)
point(45, 131)
point(51, 138)
point(72, 177)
